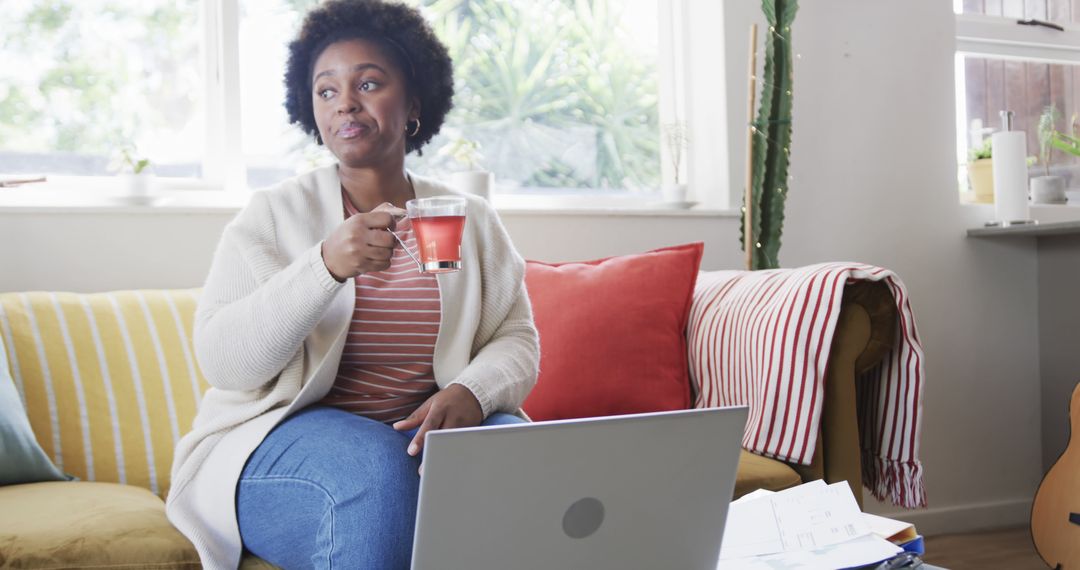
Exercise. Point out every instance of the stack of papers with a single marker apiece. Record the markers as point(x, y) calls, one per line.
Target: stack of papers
point(814, 525)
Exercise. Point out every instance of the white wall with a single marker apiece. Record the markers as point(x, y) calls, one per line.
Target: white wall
point(874, 181)
point(87, 252)
point(1059, 336)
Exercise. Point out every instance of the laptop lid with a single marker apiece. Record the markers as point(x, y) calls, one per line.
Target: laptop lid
point(634, 491)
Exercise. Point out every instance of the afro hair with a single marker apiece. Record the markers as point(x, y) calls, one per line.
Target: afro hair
point(404, 36)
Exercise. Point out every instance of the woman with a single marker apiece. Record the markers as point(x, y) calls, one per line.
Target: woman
point(329, 355)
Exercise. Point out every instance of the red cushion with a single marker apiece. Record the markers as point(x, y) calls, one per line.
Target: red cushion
point(612, 333)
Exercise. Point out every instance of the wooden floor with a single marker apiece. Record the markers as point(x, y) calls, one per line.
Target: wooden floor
point(1010, 549)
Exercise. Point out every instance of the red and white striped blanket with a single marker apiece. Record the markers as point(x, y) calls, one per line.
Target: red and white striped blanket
point(762, 339)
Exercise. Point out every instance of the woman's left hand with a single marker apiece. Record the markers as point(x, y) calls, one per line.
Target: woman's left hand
point(452, 407)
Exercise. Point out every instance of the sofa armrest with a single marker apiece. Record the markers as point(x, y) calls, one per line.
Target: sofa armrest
point(865, 330)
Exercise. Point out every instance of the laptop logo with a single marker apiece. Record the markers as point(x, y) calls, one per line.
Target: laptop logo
point(583, 518)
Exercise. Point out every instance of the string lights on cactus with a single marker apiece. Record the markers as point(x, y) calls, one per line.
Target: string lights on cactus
point(769, 140)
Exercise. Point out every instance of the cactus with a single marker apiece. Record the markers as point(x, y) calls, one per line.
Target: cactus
point(772, 139)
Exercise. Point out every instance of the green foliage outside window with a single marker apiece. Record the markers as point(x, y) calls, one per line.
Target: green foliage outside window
point(90, 76)
point(554, 92)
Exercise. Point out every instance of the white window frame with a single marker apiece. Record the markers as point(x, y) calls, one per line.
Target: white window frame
point(692, 90)
point(690, 56)
point(1002, 38)
point(223, 158)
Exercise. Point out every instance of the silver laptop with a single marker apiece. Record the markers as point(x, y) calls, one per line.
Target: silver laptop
point(636, 491)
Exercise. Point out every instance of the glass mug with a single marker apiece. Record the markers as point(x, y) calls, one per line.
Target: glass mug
point(438, 224)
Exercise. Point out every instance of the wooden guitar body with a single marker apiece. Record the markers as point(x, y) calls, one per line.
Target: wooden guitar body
point(1055, 514)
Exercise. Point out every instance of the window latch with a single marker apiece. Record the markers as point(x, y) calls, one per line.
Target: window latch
point(1034, 22)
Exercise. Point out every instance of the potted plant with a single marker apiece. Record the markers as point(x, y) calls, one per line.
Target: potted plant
point(135, 171)
point(1047, 189)
point(1067, 142)
point(981, 172)
point(472, 177)
point(675, 139)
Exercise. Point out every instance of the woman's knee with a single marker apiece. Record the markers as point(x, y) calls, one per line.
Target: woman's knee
point(367, 523)
point(502, 419)
point(283, 519)
point(366, 483)
point(376, 516)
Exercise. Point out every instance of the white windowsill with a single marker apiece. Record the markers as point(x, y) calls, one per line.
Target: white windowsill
point(68, 201)
point(644, 210)
point(66, 198)
point(599, 205)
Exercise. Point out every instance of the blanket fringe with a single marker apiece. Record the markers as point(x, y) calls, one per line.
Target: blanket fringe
point(900, 483)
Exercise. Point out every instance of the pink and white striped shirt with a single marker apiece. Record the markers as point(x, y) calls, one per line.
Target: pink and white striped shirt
point(386, 368)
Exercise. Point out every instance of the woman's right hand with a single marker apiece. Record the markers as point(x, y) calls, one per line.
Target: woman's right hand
point(361, 244)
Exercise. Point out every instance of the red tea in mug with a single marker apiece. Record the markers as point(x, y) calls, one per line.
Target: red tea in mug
point(438, 239)
point(438, 224)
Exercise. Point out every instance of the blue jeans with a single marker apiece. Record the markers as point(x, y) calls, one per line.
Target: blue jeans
point(330, 489)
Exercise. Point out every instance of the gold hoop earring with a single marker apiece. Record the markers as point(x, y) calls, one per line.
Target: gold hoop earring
point(415, 130)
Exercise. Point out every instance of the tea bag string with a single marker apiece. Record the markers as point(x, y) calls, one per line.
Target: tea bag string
point(419, 266)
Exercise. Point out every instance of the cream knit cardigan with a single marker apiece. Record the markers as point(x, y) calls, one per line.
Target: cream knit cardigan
point(270, 327)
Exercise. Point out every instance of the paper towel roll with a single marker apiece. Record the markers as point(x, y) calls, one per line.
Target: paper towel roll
point(1010, 176)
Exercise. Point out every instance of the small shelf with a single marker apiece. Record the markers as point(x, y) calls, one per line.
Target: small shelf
point(1029, 230)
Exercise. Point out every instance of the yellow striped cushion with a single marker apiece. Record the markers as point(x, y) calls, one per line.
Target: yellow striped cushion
point(109, 380)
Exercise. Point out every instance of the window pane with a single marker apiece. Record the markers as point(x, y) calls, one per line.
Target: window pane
point(1026, 88)
point(560, 96)
point(557, 100)
point(79, 81)
point(273, 149)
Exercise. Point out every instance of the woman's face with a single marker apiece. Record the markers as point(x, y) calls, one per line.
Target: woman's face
point(360, 103)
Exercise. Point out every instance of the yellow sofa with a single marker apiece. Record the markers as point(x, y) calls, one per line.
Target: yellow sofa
point(110, 383)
